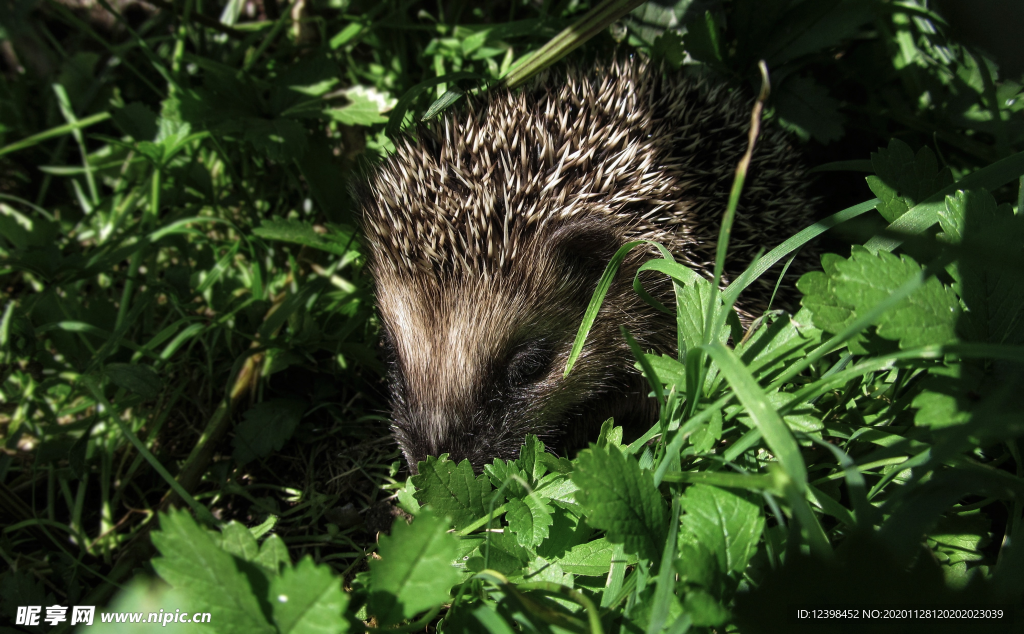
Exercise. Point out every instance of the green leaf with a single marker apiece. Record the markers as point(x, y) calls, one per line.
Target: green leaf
point(669, 47)
point(948, 396)
point(266, 427)
point(192, 563)
point(236, 539)
point(529, 520)
point(992, 292)
point(366, 107)
point(452, 490)
point(530, 458)
point(414, 572)
point(508, 475)
point(903, 179)
point(273, 554)
point(503, 553)
point(727, 524)
point(704, 609)
point(338, 241)
point(135, 377)
point(927, 317)
point(308, 598)
point(592, 559)
point(703, 39)
point(621, 499)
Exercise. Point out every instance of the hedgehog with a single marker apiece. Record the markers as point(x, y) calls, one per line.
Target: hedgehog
point(488, 231)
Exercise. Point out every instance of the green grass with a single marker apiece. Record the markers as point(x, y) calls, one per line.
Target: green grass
point(186, 323)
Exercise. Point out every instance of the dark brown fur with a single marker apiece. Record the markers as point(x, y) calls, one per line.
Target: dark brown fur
point(487, 235)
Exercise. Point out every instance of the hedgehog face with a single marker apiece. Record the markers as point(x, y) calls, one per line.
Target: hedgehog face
point(477, 362)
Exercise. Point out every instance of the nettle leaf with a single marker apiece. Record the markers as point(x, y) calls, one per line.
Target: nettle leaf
point(529, 520)
point(530, 458)
point(827, 313)
point(559, 489)
point(849, 287)
point(592, 559)
point(266, 427)
point(903, 179)
point(308, 598)
point(509, 475)
point(727, 524)
point(503, 553)
point(805, 108)
point(366, 107)
point(928, 316)
point(541, 569)
point(236, 539)
point(621, 499)
point(452, 490)
point(192, 563)
point(414, 572)
point(992, 293)
point(567, 531)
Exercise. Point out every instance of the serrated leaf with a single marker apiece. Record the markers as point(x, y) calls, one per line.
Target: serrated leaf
point(592, 559)
point(728, 525)
point(927, 317)
point(236, 539)
point(902, 179)
point(366, 107)
point(621, 499)
point(135, 377)
point(414, 572)
point(308, 598)
point(192, 563)
point(273, 554)
point(508, 475)
point(530, 460)
point(992, 292)
point(452, 490)
point(266, 427)
point(529, 520)
point(501, 552)
point(541, 569)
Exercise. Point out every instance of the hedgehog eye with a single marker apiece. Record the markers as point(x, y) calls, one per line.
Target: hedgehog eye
point(528, 362)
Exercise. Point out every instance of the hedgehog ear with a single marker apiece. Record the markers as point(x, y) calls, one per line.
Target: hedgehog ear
point(582, 253)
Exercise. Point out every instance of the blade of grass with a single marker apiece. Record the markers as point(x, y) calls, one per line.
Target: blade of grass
point(765, 418)
point(67, 128)
point(568, 40)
